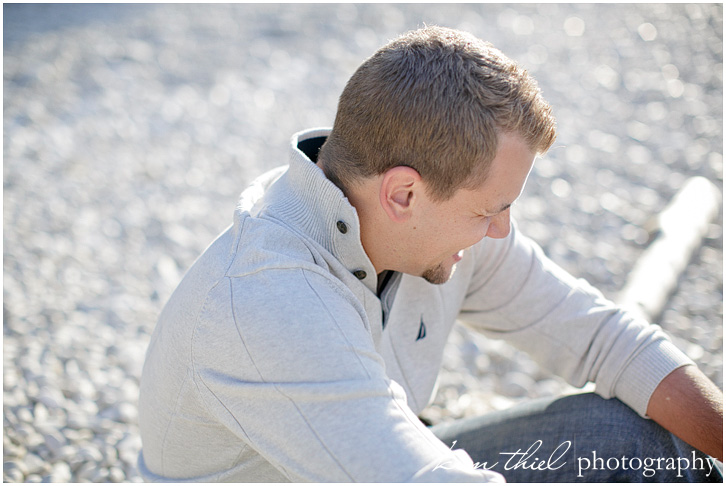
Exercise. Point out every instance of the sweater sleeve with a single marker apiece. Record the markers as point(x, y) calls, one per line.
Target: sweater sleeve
point(283, 358)
point(518, 294)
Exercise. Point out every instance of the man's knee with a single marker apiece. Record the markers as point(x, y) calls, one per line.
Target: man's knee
point(624, 446)
point(612, 422)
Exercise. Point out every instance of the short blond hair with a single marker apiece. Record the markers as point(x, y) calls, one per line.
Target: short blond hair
point(434, 99)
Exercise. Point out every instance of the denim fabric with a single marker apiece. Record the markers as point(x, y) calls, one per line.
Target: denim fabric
point(578, 438)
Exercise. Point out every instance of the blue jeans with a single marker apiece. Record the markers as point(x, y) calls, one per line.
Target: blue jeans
point(577, 438)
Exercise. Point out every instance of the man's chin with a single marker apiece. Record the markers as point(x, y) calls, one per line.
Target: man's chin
point(439, 274)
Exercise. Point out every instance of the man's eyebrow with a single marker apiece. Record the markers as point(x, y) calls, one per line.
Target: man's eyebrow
point(501, 209)
point(505, 207)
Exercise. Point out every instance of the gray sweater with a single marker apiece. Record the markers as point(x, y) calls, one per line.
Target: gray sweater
point(274, 359)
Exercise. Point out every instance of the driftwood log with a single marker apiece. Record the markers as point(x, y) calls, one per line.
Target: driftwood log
point(680, 228)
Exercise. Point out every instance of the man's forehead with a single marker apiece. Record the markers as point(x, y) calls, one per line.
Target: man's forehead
point(495, 198)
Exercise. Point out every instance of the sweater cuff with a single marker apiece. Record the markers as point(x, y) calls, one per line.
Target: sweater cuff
point(645, 372)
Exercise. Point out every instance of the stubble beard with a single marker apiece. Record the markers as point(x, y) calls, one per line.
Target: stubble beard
point(439, 274)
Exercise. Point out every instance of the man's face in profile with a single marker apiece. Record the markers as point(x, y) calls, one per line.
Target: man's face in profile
point(445, 229)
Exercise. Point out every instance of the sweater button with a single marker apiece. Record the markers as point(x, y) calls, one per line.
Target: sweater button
point(342, 227)
point(360, 274)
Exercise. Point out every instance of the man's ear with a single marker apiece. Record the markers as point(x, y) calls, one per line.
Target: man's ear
point(399, 192)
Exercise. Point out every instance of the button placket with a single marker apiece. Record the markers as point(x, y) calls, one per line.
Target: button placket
point(360, 274)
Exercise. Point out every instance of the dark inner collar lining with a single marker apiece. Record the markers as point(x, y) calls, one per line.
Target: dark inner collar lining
point(311, 147)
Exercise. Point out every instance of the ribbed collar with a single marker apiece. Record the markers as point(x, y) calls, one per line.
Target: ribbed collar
point(307, 201)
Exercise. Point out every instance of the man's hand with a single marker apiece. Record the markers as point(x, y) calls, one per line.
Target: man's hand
point(691, 407)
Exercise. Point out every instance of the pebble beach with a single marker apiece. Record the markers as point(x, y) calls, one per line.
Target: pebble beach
point(131, 130)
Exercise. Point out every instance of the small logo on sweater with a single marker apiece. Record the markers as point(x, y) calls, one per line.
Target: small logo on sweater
point(421, 330)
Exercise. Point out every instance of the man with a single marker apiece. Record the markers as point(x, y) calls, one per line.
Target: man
point(306, 339)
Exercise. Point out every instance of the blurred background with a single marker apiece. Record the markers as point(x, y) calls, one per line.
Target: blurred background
point(130, 131)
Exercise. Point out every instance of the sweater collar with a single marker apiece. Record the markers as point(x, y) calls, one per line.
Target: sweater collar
point(306, 200)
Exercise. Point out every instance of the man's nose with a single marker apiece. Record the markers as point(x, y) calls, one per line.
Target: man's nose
point(499, 226)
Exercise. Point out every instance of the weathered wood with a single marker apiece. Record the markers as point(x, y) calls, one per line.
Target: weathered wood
point(681, 228)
